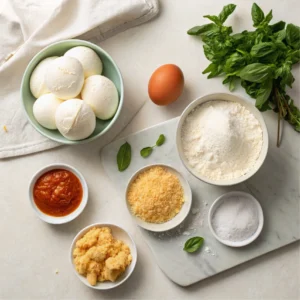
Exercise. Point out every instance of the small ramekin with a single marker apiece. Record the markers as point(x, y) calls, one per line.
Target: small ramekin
point(249, 197)
point(118, 233)
point(75, 213)
point(180, 217)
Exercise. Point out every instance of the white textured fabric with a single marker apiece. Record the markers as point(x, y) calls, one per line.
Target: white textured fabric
point(26, 27)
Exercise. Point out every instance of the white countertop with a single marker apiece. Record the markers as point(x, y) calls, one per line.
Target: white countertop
point(31, 250)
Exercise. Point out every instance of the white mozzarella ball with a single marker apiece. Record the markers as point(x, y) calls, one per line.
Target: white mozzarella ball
point(65, 77)
point(44, 109)
point(75, 119)
point(37, 79)
point(102, 95)
point(91, 62)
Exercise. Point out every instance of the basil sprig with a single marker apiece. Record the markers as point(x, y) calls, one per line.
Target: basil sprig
point(124, 157)
point(260, 60)
point(145, 152)
point(193, 244)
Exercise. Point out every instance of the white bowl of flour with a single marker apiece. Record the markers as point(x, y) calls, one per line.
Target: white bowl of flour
point(222, 139)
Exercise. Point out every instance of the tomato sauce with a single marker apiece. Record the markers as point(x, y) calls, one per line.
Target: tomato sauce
point(57, 192)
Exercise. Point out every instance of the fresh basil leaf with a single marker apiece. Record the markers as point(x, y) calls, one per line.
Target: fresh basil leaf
point(277, 26)
point(263, 49)
point(293, 36)
point(215, 19)
point(211, 68)
point(161, 140)
point(287, 76)
point(193, 244)
point(208, 52)
point(234, 62)
point(268, 18)
point(263, 93)
point(124, 157)
point(226, 12)
point(257, 15)
point(197, 30)
point(256, 72)
point(294, 56)
point(251, 88)
point(280, 35)
point(145, 152)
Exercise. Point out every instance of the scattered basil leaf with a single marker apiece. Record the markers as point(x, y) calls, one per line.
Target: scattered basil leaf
point(124, 157)
point(145, 152)
point(193, 244)
point(257, 15)
point(161, 140)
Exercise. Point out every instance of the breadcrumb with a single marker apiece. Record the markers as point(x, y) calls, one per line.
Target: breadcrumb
point(5, 128)
point(156, 195)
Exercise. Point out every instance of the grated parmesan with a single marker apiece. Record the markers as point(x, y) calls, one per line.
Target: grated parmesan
point(156, 195)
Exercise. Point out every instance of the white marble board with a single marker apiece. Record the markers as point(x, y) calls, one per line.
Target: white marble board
point(275, 185)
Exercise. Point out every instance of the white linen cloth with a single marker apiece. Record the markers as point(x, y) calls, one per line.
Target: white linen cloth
point(26, 27)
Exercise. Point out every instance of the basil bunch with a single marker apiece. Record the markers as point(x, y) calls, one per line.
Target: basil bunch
point(261, 60)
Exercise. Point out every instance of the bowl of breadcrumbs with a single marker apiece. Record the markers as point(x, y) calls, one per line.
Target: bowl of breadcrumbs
point(158, 197)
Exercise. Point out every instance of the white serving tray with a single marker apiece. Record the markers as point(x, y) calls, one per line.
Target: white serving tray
point(275, 186)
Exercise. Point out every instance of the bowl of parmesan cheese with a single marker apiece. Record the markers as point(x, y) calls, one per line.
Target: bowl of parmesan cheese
point(222, 139)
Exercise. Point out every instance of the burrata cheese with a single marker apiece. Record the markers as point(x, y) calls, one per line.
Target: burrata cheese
point(91, 62)
point(101, 94)
point(44, 109)
point(75, 120)
point(64, 77)
point(37, 79)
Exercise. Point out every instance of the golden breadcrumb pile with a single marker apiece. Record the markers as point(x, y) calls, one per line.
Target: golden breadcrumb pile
point(100, 257)
point(156, 195)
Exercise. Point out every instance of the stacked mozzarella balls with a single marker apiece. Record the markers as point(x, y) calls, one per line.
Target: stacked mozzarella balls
point(71, 93)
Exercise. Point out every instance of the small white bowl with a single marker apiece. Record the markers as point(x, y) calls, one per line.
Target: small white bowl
point(232, 98)
point(118, 233)
point(219, 201)
point(179, 218)
point(75, 213)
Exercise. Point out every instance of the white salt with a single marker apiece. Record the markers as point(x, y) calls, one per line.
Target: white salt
point(235, 219)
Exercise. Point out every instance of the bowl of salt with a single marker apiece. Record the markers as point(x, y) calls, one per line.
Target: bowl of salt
point(236, 219)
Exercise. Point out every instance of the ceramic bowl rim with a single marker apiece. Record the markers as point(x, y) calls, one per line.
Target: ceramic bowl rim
point(64, 219)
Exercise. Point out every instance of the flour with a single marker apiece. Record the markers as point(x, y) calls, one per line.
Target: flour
point(221, 140)
point(236, 219)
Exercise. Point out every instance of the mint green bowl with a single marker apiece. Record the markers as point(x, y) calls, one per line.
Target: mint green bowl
point(110, 70)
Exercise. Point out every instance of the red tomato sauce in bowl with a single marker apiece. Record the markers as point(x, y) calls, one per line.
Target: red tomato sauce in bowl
point(57, 192)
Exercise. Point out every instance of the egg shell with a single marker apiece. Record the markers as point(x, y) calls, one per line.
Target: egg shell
point(101, 94)
point(75, 120)
point(37, 80)
point(166, 84)
point(91, 62)
point(44, 109)
point(64, 77)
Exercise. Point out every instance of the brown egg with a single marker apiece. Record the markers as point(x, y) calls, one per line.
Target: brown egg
point(166, 84)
